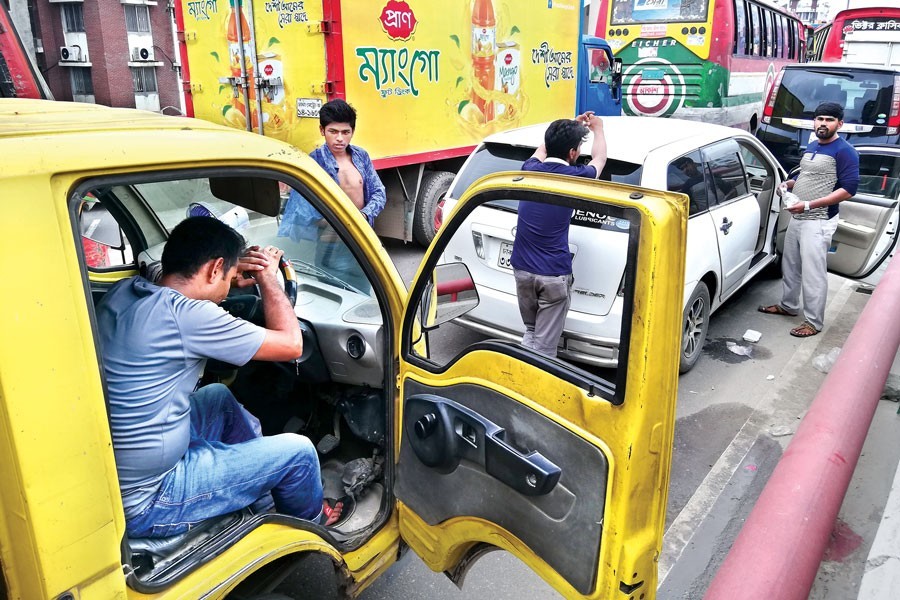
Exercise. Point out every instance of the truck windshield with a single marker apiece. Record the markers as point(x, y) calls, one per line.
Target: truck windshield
point(627, 12)
point(493, 158)
point(865, 94)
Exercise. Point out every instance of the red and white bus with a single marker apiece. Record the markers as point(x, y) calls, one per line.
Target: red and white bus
point(861, 35)
point(708, 60)
point(18, 76)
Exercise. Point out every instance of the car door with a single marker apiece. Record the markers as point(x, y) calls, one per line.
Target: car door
point(500, 447)
point(734, 210)
point(867, 225)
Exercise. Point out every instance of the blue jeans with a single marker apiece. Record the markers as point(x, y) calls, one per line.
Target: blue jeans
point(228, 466)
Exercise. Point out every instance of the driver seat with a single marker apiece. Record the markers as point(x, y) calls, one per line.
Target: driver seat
point(151, 271)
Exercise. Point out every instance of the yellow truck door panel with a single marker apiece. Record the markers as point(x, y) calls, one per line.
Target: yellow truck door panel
point(500, 446)
point(483, 440)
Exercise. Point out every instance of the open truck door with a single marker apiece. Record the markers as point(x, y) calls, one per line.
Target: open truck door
point(498, 447)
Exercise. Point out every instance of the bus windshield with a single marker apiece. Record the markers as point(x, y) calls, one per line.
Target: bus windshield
point(626, 12)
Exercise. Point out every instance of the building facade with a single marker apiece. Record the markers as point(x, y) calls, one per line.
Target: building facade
point(108, 52)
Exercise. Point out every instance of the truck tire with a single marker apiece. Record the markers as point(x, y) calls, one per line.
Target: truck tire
point(435, 185)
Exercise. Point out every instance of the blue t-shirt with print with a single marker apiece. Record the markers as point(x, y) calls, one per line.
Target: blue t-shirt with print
point(541, 245)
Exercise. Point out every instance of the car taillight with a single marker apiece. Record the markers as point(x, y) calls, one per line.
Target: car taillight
point(770, 100)
point(894, 117)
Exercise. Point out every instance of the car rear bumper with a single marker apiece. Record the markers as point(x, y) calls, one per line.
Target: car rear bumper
point(583, 340)
point(596, 352)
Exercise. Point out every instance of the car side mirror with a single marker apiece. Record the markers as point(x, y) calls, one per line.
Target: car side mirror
point(450, 294)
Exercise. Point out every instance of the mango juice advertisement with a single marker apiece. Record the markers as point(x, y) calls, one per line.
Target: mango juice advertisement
point(423, 75)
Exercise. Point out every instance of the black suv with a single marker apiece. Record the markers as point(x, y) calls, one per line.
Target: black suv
point(869, 94)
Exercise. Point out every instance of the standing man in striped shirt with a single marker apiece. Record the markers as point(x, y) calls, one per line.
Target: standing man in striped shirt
point(829, 174)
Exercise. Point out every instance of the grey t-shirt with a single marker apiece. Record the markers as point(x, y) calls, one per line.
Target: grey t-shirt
point(155, 342)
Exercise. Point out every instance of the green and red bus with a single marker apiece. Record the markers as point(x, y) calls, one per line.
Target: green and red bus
point(707, 60)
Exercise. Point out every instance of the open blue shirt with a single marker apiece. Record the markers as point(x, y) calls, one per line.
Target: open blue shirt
point(373, 190)
point(541, 245)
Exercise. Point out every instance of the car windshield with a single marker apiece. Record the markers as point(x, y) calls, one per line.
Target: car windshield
point(864, 94)
point(627, 12)
point(493, 158)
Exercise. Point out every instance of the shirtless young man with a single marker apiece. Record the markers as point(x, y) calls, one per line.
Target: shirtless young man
point(352, 169)
point(350, 166)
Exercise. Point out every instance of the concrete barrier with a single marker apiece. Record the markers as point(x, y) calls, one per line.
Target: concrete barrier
point(776, 555)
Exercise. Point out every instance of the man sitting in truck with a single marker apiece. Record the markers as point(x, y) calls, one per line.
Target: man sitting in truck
point(183, 454)
point(352, 169)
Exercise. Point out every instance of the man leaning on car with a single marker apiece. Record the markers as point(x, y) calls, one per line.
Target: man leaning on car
point(541, 261)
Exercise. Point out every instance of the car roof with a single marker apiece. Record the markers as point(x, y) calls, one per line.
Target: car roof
point(652, 133)
point(842, 66)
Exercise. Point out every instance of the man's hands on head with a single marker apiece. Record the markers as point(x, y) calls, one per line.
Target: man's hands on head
point(591, 121)
point(284, 340)
point(258, 266)
point(598, 147)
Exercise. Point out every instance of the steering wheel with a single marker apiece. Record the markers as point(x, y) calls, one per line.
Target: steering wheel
point(290, 280)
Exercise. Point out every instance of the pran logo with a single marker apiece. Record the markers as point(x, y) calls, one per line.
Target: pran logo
point(507, 59)
point(398, 20)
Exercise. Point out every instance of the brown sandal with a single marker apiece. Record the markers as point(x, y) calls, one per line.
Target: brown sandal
point(775, 309)
point(805, 330)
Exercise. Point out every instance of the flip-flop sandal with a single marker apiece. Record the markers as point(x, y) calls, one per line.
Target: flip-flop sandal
point(348, 505)
point(775, 309)
point(805, 330)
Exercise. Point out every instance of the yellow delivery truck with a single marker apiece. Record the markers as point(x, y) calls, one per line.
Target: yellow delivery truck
point(429, 79)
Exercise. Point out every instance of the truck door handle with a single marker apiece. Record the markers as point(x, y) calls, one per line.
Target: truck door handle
point(443, 432)
point(726, 225)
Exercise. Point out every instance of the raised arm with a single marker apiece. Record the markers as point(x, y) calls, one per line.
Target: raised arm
point(283, 340)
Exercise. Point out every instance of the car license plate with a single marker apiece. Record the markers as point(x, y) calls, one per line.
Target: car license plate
point(503, 261)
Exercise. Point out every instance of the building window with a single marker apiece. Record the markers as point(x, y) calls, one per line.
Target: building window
point(137, 18)
point(73, 18)
point(144, 79)
point(81, 81)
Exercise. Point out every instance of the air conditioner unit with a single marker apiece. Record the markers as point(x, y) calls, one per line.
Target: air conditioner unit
point(141, 54)
point(70, 53)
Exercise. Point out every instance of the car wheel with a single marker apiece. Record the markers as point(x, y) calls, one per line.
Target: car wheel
point(431, 199)
point(694, 327)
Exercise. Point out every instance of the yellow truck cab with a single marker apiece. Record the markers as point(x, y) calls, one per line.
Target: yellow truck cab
point(449, 451)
